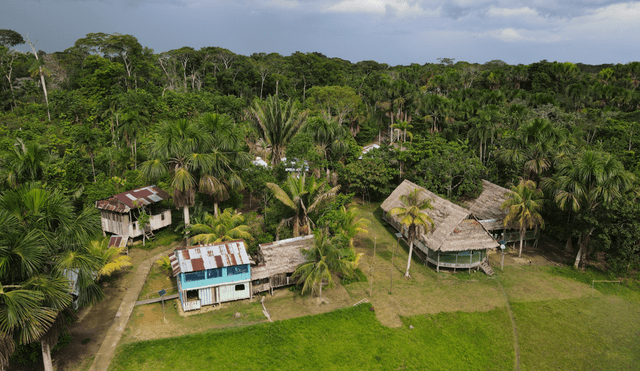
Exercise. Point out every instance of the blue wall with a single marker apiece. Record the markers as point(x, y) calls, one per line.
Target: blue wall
point(212, 277)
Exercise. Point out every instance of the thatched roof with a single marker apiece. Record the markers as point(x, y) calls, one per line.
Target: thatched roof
point(282, 256)
point(455, 228)
point(487, 206)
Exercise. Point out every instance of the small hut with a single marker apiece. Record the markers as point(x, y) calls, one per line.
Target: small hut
point(458, 240)
point(277, 261)
point(119, 213)
point(487, 209)
point(212, 273)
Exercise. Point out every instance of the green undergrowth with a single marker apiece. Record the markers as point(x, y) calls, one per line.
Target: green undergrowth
point(346, 339)
point(628, 286)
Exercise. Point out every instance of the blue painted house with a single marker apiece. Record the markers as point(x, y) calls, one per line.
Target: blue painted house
point(212, 274)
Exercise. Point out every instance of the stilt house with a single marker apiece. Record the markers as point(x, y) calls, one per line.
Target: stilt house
point(487, 209)
point(277, 261)
point(458, 239)
point(211, 274)
point(119, 213)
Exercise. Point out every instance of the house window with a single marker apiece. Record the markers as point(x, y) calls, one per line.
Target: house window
point(194, 276)
point(162, 216)
point(240, 287)
point(214, 273)
point(238, 269)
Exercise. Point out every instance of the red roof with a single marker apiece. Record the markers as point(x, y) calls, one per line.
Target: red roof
point(210, 256)
point(125, 201)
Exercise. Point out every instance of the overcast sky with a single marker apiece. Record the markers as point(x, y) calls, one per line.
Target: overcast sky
point(387, 31)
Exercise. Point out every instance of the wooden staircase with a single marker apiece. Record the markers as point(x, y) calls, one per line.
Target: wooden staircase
point(486, 268)
point(149, 235)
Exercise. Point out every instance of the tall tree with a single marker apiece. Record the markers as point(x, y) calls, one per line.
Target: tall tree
point(44, 266)
point(326, 256)
point(277, 122)
point(413, 216)
point(41, 73)
point(303, 196)
point(586, 181)
point(524, 203)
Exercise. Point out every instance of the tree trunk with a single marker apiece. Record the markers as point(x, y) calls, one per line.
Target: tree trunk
point(46, 355)
point(44, 88)
point(135, 153)
point(185, 210)
point(406, 274)
point(215, 209)
point(93, 168)
point(320, 292)
point(522, 232)
point(586, 237)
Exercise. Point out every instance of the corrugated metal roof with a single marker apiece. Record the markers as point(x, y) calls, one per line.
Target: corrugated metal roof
point(125, 201)
point(210, 256)
point(118, 241)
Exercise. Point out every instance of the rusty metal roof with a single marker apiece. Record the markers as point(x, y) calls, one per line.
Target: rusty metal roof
point(125, 201)
point(118, 241)
point(210, 256)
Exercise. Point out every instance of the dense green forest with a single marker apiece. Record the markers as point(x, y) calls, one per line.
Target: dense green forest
point(88, 122)
point(108, 115)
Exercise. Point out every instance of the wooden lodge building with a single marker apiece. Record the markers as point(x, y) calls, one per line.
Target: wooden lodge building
point(487, 209)
point(277, 261)
point(211, 274)
point(458, 239)
point(119, 213)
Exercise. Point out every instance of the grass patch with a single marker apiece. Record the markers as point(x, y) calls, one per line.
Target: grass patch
point(600, 333)
point(164, 237)
point(626, 287)
point(359, 276)
point(349, 338)
point(157, 280)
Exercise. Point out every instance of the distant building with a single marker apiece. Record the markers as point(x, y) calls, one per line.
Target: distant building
point(277, 261)
point(260, 162)
point(119, 213)
point(368, 148)
point(211, 274)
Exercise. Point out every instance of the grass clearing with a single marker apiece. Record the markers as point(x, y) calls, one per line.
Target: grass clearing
point(348, 338)
point(460, 321)
point(600, 333)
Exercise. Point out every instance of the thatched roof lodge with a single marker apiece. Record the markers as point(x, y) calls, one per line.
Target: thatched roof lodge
point(277, 261)
point(458, 239)
point(487, 209)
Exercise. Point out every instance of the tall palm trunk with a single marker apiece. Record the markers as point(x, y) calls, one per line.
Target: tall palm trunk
point(406, 274)
point(185, 211)
point(46, 355)
point(522, 232)
point(586, 237)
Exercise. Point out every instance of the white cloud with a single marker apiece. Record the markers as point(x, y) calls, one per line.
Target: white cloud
point(506, 12)
point(285, 4)
point(395, 7)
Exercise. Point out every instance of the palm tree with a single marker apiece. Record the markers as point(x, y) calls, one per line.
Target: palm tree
point(538, 144)
point(111, 258)
point(352, 225)
point(197, 156)
point(325, 257)
point(227, 226)
point(413, 216)
point(132, 125)
point(42, 242)
point(524, 202)
point(277, 122)
point(26, 162)
point(302, 196)
point(586, 181)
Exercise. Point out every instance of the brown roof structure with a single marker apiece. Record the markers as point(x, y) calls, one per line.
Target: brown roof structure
point(125, 201)
point(487, 206)
point(455, 228)
point(209, 256)
point(118, 241)
point(282, 256)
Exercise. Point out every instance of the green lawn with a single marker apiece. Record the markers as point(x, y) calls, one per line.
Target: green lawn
point(346, 339)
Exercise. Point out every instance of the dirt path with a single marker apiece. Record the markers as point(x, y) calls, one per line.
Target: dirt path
point(516, 346)
point(107, 349)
